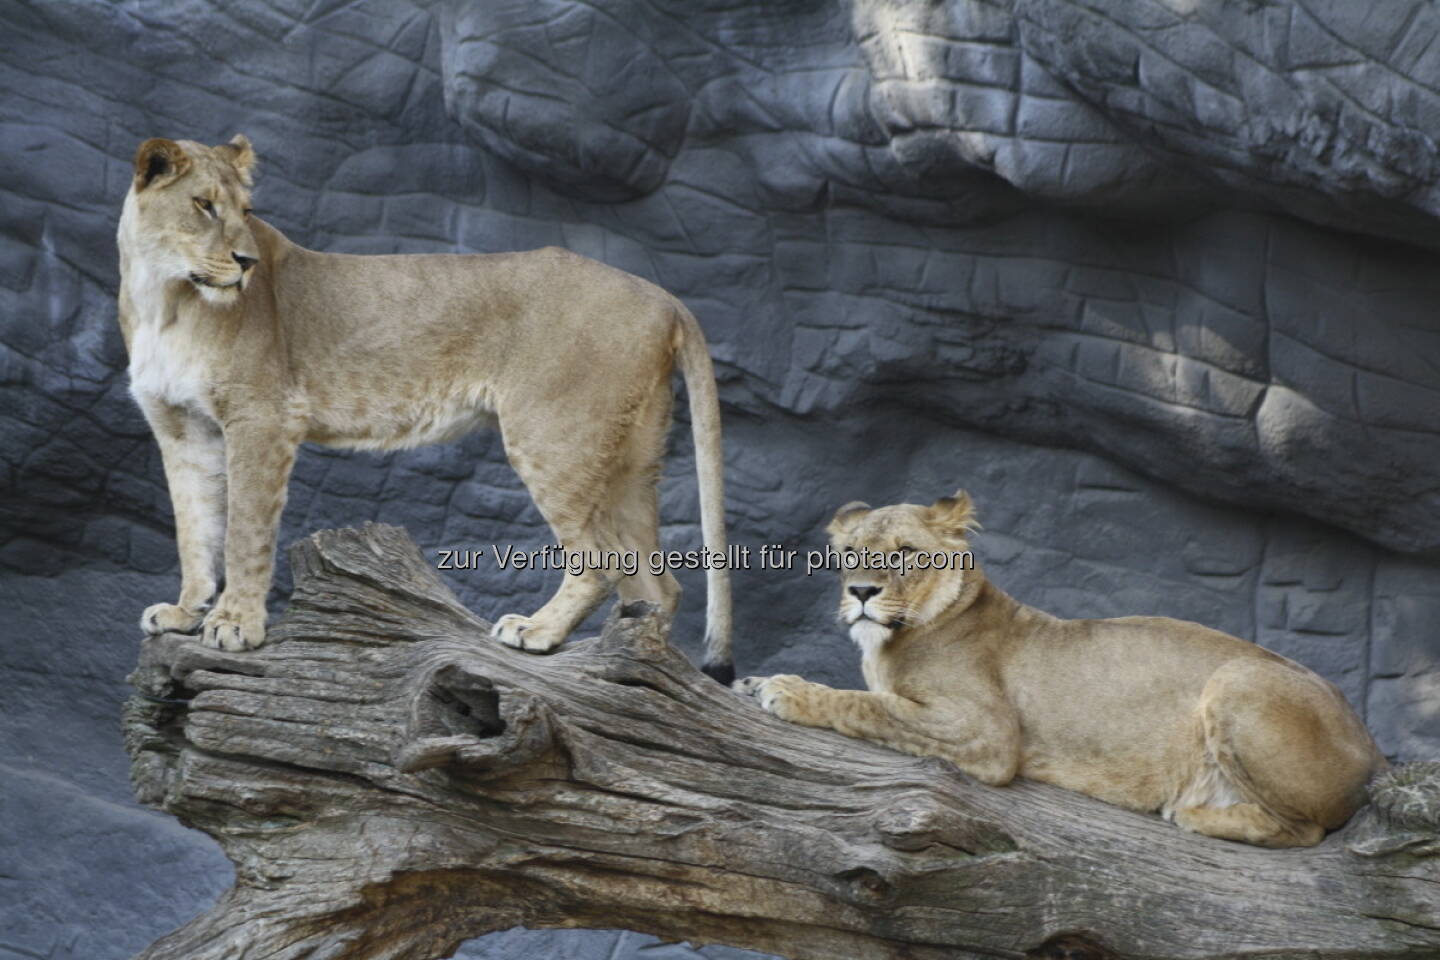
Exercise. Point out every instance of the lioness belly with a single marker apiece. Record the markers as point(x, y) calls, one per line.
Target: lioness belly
point(1122, 777)
point(378, 424)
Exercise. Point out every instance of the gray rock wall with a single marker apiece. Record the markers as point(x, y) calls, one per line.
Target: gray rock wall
point(1156, 282)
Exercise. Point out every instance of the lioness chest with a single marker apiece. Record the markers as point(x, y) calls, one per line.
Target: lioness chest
point(168, 363)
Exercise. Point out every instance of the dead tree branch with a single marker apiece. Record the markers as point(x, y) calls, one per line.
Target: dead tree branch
point(389, 783)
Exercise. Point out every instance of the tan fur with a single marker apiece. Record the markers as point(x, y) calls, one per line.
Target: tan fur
point(1220, 735)
point(236, 365)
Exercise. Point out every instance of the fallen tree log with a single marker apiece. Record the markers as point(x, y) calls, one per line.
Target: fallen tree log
point(388, 782)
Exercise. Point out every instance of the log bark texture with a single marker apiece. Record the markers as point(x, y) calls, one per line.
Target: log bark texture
point(388, 782)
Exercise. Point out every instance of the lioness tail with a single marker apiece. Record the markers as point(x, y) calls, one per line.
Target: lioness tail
point(699, 377)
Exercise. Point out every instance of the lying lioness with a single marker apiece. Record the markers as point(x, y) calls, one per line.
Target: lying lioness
point(1219, 735)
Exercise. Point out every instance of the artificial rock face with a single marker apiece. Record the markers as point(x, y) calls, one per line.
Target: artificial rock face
point(1156, 282)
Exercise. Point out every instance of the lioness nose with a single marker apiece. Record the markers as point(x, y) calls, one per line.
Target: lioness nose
point(245, 262)
point(863, 592)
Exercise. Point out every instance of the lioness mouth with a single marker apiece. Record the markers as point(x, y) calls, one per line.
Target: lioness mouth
point(204, 281)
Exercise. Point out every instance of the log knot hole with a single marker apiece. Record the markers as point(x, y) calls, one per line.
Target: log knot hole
point(458, 702)
point(636, 609)
point(917, 821)
point(1072, 945)
point(459, 718)
point(866, 886)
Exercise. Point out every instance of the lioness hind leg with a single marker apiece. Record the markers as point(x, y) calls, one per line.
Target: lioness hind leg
point(593, 475)
point(633, 518)
point(1292, 748)
point(636, 528)
point(580, 592)
point(1249, 823)
point(570, 493)
point(548, 627)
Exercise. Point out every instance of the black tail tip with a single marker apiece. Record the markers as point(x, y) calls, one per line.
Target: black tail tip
point(721, 673)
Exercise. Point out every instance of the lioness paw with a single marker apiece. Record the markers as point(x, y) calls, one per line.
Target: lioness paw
point(524, 633)
point(779, 694)
point(749, 686)
point(168, 618)
point(234, 628)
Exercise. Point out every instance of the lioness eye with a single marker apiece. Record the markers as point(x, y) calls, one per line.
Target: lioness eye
point(905, 548)
point(204, 205)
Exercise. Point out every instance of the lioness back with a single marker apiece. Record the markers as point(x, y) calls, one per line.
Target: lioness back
point(417, 328)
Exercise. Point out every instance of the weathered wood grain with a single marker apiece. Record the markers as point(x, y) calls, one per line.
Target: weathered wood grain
point(389, 783)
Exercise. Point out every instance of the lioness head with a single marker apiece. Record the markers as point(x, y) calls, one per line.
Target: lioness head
point(187, 213)
point(901, 565)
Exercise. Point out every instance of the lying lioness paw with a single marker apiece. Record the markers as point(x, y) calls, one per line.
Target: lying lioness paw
point(1220, 735)
point(244, 345)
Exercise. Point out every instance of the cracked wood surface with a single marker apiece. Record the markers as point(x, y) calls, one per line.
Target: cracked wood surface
point(388, 783)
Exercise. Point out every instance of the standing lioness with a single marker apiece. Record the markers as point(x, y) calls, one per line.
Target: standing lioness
point(1222, 736)
point(243, 345)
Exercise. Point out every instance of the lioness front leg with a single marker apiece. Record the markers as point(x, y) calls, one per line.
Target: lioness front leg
point(258, 459)
point(193, 453)
point(984, 744)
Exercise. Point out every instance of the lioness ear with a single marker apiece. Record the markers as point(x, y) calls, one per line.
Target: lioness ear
point(241, 154)
point(159, 159)
point(954, 515)
point(846, 515)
